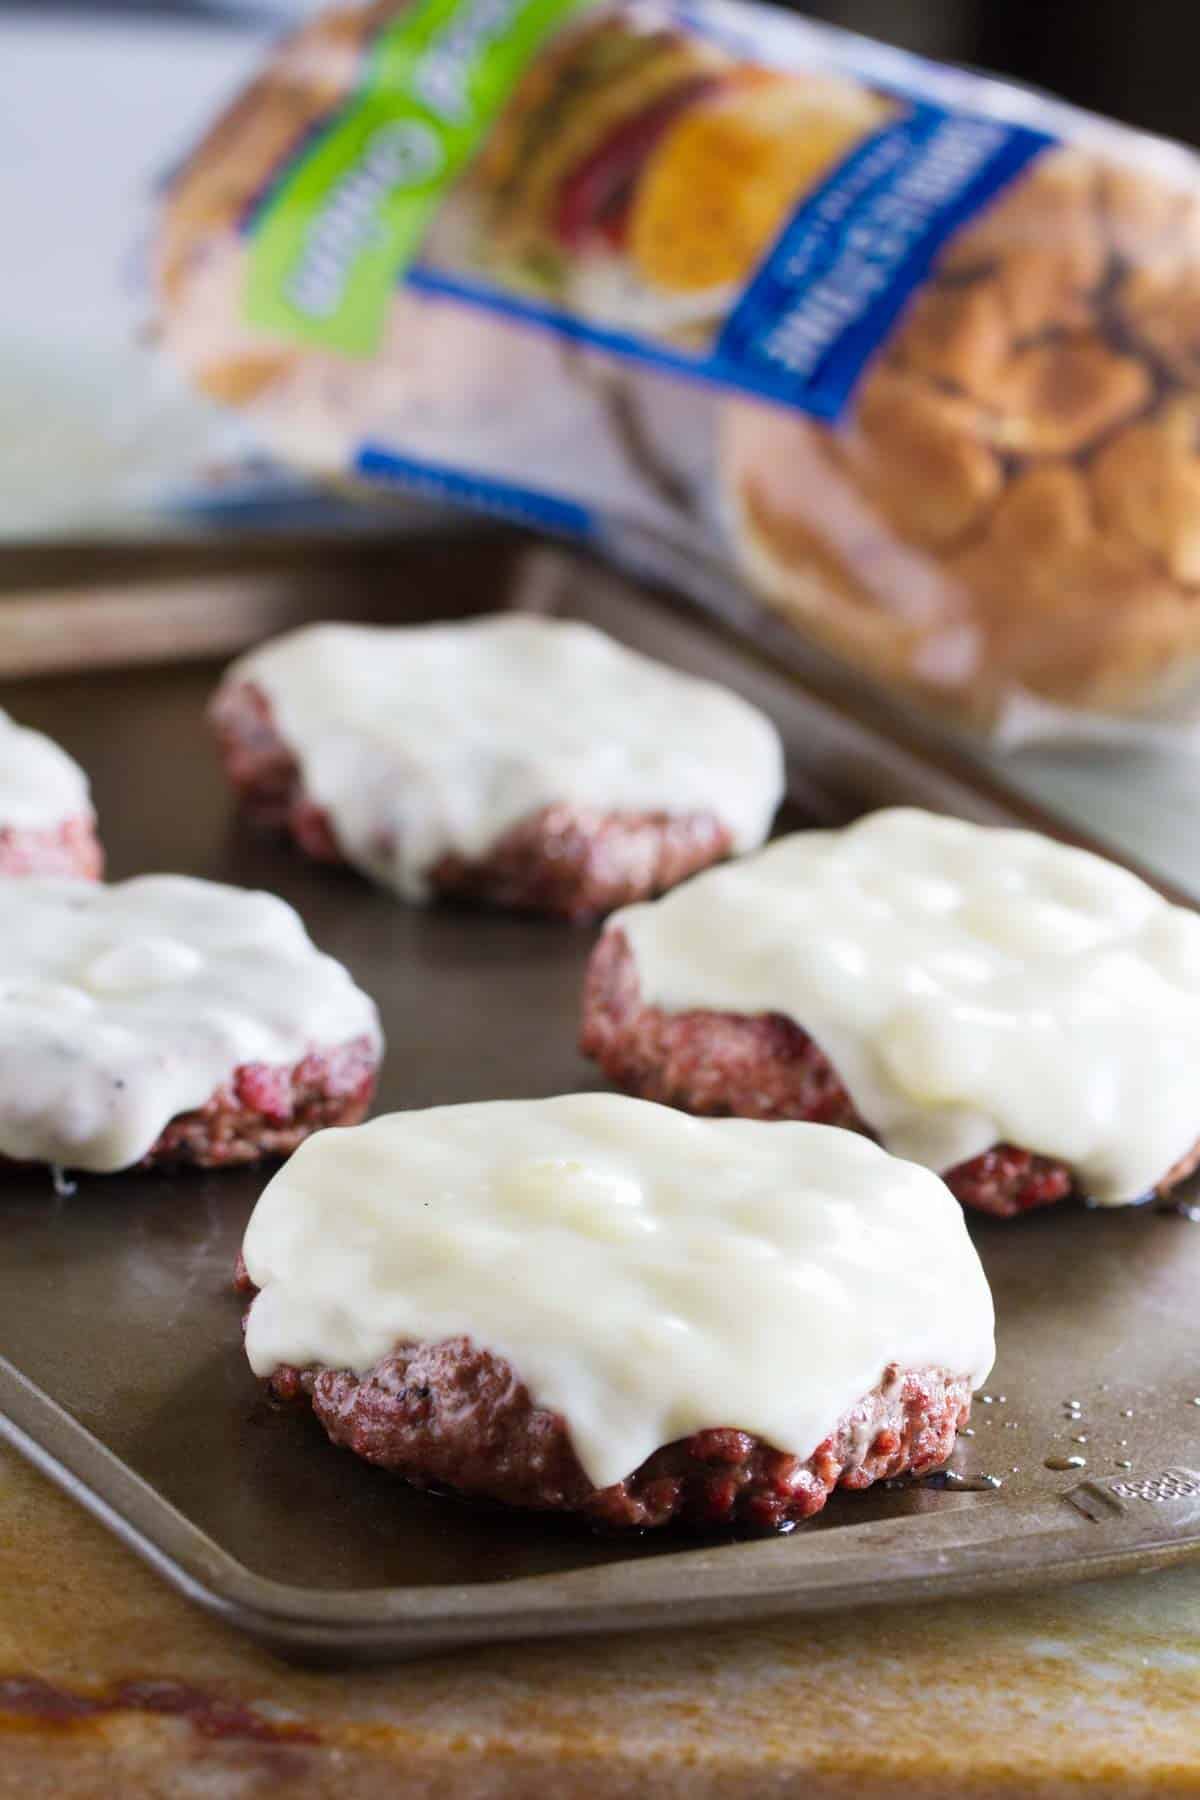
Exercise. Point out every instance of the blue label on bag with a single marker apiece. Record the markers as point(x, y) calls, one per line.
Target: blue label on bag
point(826, 295)
point(522, 506)
point(853, 253)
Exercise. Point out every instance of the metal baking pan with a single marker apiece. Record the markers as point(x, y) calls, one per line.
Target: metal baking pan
point(122, 1374)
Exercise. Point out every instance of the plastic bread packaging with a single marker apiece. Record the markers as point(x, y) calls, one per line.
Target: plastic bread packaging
point(99, 437)
point(909, 355)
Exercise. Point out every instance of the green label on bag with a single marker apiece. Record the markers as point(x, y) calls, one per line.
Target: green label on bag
point(329, 244)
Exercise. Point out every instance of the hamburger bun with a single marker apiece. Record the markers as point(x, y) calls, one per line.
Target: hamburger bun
point(1013, 502)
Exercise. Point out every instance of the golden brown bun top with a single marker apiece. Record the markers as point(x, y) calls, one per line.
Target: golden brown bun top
point(592, 79)
point(720, 186)
point(1031, 432)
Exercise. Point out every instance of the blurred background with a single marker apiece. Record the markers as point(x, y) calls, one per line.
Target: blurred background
point(1136, 63)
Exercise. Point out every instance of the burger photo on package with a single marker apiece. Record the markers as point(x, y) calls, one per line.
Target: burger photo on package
point(639, 174)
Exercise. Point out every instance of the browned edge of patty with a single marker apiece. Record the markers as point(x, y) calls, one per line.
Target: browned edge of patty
point(764, 1066)
point(266, 1111)
point(70, 848)
point(450, 1415)
point(564, 861)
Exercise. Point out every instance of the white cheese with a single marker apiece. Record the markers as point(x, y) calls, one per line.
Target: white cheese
point(122, 1006)
point(40, 785)
point(423, 741)
point(646, 1274)
point(970, 985)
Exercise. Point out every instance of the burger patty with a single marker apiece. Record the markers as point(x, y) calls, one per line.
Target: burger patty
point(764, 1066)
point(69, 848)
point(264, 1111)
point(565, 861)
point(450, 1415)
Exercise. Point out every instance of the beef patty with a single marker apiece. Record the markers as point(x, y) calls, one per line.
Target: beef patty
point(264, 1111)
point(765, 1066)
point(566, 861)
point(452, 1415)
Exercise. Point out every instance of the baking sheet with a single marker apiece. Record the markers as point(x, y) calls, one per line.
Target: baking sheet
point(121, 1371)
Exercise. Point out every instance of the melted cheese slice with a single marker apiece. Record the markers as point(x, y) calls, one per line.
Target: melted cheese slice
point(122, 1006)
point(646, 1274)
point(40, 785)
point(971, 986)
point(424, 741)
